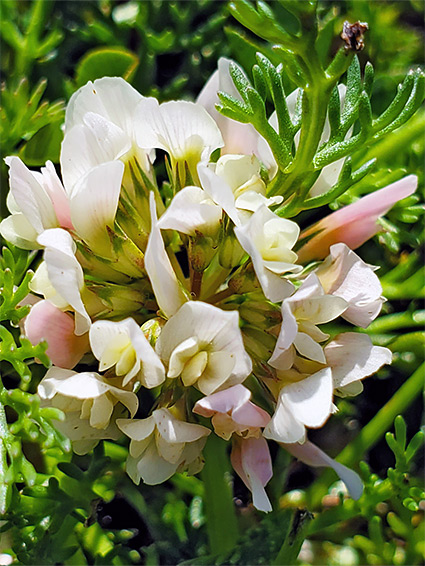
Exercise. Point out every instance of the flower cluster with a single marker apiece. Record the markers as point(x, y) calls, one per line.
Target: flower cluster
point(165, 269)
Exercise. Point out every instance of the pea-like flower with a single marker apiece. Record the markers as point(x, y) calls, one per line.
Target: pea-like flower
point(90, 403)
point(269, 240)
point(202, 345)
point(161, 445)
point(301, 313)
point(123, 345)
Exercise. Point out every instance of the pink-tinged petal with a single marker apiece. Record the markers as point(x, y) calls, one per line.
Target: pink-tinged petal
point(166, 287)
point(251, 460)
point(30, 196)
point(251, 415)
point(352, 357)
point(46, 322)
point(222, 401)
point(53, 186)
point(237, 137)
point(311, 455)
point(356, 223)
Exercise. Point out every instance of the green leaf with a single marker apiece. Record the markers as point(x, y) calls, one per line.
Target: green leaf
point(106, 61)
point(43, 146)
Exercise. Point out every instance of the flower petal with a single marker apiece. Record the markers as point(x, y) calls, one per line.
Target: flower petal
point(166, 287)
point(92, 210)
point(352, 356)
point(251, 460)
point(238, 137)
point(181, 128)
point(311, 455)
point(65, 273)
point(310, 400)
point(191, 210)
point(46, 322)
point(110, 97)
point(356, 223)
point(30, 196)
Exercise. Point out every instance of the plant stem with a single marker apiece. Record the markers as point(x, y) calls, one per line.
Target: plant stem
point(3, 456)
point(222, 526)
point(374, 430)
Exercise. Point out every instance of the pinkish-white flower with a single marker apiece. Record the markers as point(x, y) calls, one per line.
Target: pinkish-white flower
point(161, 445)
point(305, 398)
point(231, 411)
point(47, 322)
point(356, 223)
point(344, 274)
point(99, 127)
point(251, 460)
point(301, 313)
point(37, 202)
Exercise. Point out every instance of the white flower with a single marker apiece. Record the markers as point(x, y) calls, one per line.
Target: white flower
point(301, 313)
point(37, 202)
point(65, 273)
point(99, 127)
point(235, 184)
point(306, 400)
point(162, 445)
point(182, 129)
point(305, 403)
point(352, 357)
point(168, 292)
point(203, 345)
point(89, 401)
point(268, 239)
point(191, 211)
point(344, 274)
point(123, 345)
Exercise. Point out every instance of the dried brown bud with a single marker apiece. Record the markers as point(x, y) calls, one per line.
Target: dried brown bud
point(352, 34)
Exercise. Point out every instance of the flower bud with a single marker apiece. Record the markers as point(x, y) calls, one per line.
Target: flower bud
point(231, 252)
point(202, 250)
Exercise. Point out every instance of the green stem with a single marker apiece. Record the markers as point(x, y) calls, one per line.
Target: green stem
point(374, 430)
point(222, 526)
point(395, 321)
point(4, 431)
